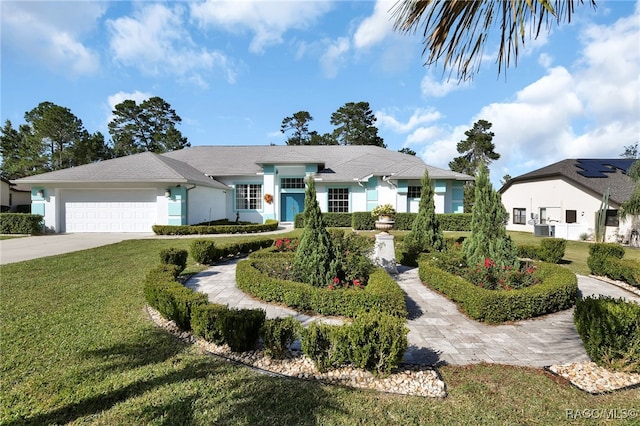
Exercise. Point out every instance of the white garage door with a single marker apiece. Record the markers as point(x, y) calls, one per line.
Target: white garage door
point(102, 210)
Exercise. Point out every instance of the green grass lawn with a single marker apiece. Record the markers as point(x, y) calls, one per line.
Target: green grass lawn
point(77, 347)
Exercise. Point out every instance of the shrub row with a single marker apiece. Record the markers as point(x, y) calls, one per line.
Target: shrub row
point(206, 252)
point(239, 328)
point(174, 256)
point(610, 330)
point(269, 225)
point(363, 221)
point(557, 291)
point(550, 250)
point(373, 341)
point(606, 259)
point(21, 223)
point(382, 294)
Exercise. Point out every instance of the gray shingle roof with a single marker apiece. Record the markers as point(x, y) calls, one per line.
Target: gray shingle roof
point(605, 174)
point(341, 163)
point(193, 165)
point(144, 167)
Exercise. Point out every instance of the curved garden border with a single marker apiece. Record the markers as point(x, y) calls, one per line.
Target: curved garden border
point(557, 291)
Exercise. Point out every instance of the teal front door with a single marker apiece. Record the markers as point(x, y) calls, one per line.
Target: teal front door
point(291, 205)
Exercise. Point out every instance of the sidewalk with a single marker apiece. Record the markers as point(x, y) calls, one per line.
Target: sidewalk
point(438, 332)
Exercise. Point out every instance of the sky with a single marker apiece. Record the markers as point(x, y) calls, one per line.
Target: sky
point(233, 70)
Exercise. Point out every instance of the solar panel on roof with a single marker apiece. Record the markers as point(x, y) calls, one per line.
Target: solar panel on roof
point(598, 168)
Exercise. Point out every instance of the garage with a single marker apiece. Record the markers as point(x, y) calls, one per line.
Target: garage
point(101, 210)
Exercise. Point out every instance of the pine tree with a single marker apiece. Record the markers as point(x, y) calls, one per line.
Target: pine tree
point(425, 234)
point(489, 239)
point(315, 260)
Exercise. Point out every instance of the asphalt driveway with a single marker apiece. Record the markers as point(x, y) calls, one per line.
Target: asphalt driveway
point(28, 248)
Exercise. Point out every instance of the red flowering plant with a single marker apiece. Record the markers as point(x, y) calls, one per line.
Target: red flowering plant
point(286, 244)
point(492, 277)
point(337, 283)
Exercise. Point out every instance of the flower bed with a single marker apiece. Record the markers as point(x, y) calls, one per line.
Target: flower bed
point(381, 294)
point(556, 290)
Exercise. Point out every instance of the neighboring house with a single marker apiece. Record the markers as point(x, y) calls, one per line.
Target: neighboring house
point(566, 196)
point(252, 183)
point(13, 195)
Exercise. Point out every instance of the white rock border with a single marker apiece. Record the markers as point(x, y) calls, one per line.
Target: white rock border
point(590, 377)
point(408, 380)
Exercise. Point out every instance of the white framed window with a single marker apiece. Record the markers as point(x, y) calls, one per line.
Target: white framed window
point(338, 200)
point(248, 196)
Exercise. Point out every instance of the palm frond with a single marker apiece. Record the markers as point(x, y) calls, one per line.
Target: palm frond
point(456, 31)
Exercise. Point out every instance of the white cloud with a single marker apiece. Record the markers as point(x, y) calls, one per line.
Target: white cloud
point(51, 32)
point(155, 41)
point(267, 20)
point(432, 87)
point(376, 27)
point(334, 56)
point(418, 117)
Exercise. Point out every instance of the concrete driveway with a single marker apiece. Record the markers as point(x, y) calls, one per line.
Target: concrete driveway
point(27, 248)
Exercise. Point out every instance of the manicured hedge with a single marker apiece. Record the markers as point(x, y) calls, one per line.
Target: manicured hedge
point(270, 225)
point(173, 300)
point(382, 293)
point(610, 330)
point(174, 256)
point(206, 252)
point(557, 291)
point(21, 223)
point(550, 250)
point(363, 221)
point(606, 259)
point(373, 341)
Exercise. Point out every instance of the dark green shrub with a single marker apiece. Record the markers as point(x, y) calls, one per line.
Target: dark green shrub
point(269, 225)
point(206, 323)
point(557, 291)
point(278, 334)
point(404, 221)
point(627, 270)
point(455, 221)
point(425, 234)
point(552, 249)
point(324, 345)
point(363, 221)
point(298, 221)
point(173, 300)
point(529, 251)
point(173, 256)
point(21, 223)
point(377, 342)
point(204, 251)
point(606, 249)
point(241, 328)
point(610, 331)
point(354, 253)
point(337, 220)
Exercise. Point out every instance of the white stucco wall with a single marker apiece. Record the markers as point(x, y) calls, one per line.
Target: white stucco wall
point(205, 204)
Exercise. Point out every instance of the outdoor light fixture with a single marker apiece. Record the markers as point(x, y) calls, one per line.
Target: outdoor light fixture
point(167, 193)
point(40, 193)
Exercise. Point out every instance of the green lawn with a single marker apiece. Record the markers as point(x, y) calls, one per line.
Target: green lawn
point(77, 347)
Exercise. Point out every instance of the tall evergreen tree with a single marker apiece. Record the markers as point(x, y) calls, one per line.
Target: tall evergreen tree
point(315, 260)
point(425, 234)
point(355, 125)
point(22, 153)
point(489, 239)
point(632, 205)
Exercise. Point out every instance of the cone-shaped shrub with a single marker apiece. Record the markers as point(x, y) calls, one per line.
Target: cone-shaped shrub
point(488, 233)
point(425, 232)
point(315, 261)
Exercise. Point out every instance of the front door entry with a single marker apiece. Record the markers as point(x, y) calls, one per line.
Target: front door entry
point(291, 204)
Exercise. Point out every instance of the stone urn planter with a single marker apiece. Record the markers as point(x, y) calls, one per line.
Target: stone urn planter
point(384, 223)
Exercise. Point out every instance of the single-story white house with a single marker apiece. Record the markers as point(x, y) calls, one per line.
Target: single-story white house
point(13, 195)
point(252, 183)
point(562, 199)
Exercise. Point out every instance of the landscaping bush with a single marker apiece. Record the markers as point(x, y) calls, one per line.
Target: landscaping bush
point(606, 250)
point(205, 321)
point(173, 256)
point(241, 328)
point(373, 342)
point(21, 223)
point(552, 249)
point(331, 220)
point(381, 294)
point(557, 291)
point(173, 300)
point(269, 225)
point(404, 221)
point(204, 251)
point(363, 221)
point(606, 259)
point(455, 221)
point(610, 331)
point(529, 251)
point(278, 334)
